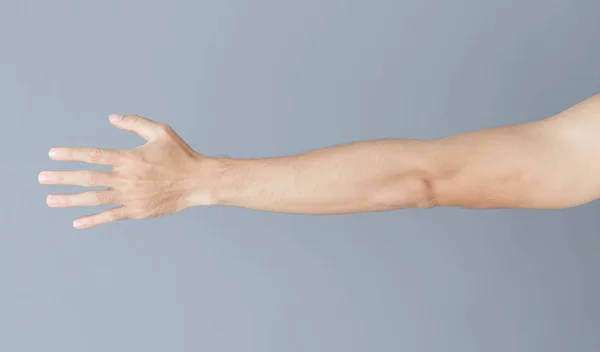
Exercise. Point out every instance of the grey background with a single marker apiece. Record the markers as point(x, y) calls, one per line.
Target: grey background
point(265, 78)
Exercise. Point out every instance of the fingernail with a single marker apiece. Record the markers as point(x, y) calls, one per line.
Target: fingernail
point(52, 200)
point(52, 153)
point(115, 118)
point(77, 224)
point(43, 177)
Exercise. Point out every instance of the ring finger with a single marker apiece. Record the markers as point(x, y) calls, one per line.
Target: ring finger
point(78, 178)
point(91, 198)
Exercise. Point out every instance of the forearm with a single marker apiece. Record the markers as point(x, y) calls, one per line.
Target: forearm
point(356, 177)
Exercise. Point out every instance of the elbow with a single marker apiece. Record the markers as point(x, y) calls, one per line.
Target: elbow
point(428, 197)
point(406, 191)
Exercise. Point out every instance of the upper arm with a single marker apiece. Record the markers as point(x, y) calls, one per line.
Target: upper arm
point(577, 131)
point(551, 163)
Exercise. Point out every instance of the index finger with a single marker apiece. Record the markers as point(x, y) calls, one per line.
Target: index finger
point(88, 155)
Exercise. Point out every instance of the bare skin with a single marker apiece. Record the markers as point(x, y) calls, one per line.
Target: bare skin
point(547, 164)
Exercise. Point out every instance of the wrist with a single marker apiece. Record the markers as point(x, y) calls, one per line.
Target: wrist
point(208, 186)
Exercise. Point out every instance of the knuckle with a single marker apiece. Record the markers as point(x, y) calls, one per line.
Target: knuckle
point(111, 215)
point(91, 221)
point(164, 129)
point(91, 177)
point(65, 201)
point(131, 154)
point(101, 197)
point(122, 157)
point(95, 154)
point(68, 153)
point(117, 156)
point(125, 214)
point(138, 212)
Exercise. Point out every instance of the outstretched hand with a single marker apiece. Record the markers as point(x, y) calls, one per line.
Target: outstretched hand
point(161, 177)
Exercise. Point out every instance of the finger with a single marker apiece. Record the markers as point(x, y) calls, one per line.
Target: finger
point(85, 199)
point(88, 155)
point(84, 178)
point(105, 217)
point(145, 128)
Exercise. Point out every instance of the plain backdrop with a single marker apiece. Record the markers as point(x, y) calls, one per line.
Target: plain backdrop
point(264, 78)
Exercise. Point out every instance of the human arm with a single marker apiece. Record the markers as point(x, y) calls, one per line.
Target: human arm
point(550, 163)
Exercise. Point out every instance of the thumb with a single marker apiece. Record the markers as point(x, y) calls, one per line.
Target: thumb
point(145, 128)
